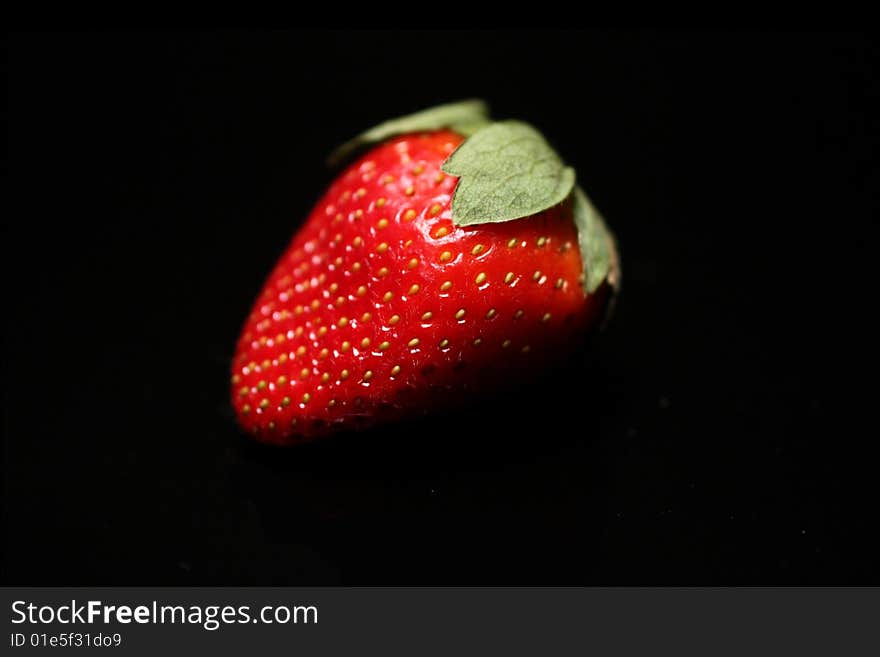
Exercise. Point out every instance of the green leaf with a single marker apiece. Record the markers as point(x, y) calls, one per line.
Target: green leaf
point(507, 171)
point(598, 250)
point(466, 117)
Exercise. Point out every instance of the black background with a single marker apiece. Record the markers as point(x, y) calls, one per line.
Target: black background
point(718, 432)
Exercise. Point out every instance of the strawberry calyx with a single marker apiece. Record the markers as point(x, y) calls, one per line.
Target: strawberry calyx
point(507, 171)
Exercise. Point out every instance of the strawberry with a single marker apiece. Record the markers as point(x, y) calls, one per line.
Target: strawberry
point(384, 307)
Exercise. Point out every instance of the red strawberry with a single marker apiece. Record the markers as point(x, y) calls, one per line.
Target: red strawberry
point(381, 308)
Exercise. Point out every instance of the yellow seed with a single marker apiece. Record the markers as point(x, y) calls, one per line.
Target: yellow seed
point(264, 403)
point(323, 353)
point(261, 385)
point(542, 241)
point(315, 304)
point(304, 373)
point(331, 403)
point(559, 283)
point(505, 344)
point(393, 319)
point(382, 272)
point(387, 297)
point(340, 301)
point(325, 377)
point(299, 331)
point(322, 331)
point(343, 375)
point(443, 231)
point(427, 316)
point(271, 425)
point(478, 249)
point(235, 378)
point(478, 342)
point(298, 310)
point(446, 256)
point(306, 398)
point(282, 358)
point(526, 349)
point(358, 213)
point(356, 266)
point(409, 215)
point(460, 314)
point(413, 343)
point(382, 248)
point(360, 192)
point(438, 178)
point(357, 241)
point(244, 391)
point(511, 243)
point(545, 318)
point(285, 401)
point(418, 170)
point(508, 277)
point(346, 346)
point(266, 363)
point(384, 346)
point(492, 312)
point(382, 223)
point(444, 343)
point(343, 322)
point(395, 370)
point(480, 279)
point(447, 285)
point(366, 317)
point(518, 314)
point(413, 263)
point(368, 375)
point(246, 409)
point(361, 291)
point(414, 289)
point(409, 191)
point(300, 350)
point(365, 343)
point(380, 202)
point(536, 275)
point(281, 380)
point(435, 209)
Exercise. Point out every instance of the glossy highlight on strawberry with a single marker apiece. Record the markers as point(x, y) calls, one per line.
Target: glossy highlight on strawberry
point(382, 309)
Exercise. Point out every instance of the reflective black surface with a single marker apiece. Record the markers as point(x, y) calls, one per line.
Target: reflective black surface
point(717, 433)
